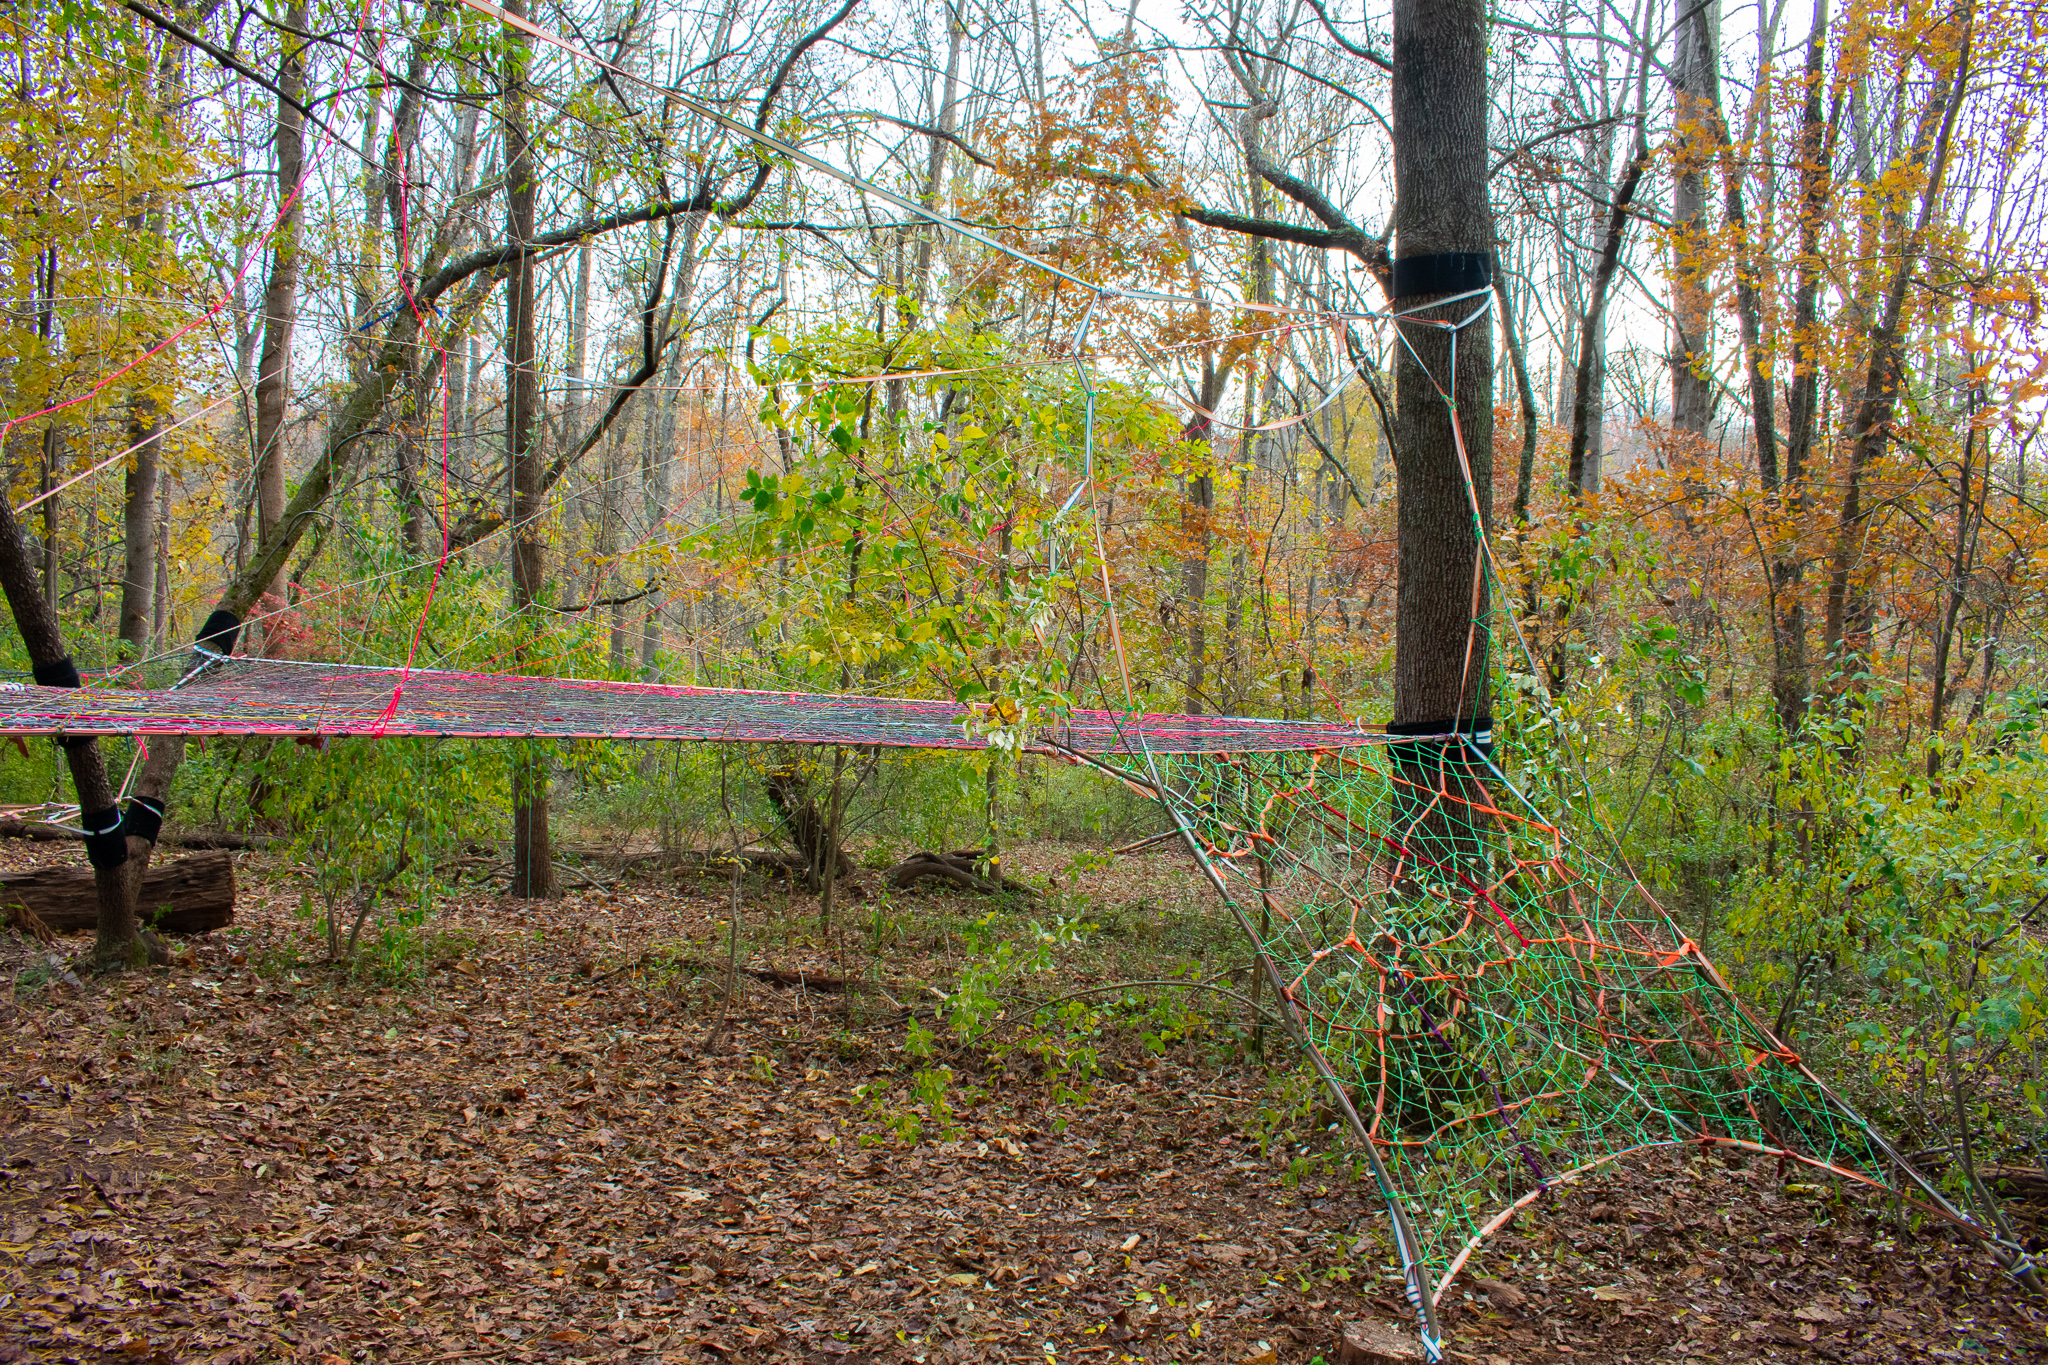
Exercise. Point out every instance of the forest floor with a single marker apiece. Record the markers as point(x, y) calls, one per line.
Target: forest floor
point(547, 1147)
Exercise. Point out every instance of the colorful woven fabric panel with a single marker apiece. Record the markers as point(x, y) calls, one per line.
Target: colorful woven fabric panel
point(262, 697)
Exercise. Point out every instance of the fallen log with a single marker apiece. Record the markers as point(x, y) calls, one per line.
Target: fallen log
point(221, 839)
point(959, 868)
point(12, 827)
point(717, 861)
point(188, 896)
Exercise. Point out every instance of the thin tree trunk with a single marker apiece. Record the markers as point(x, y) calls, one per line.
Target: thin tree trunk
point(1960, 568)
point(935, 172)
point(533, 872)
point(1849, 599)
point(160, 599)
point(281, 294)
point(139, 563)
point(1589, 391)
point(1695, 73)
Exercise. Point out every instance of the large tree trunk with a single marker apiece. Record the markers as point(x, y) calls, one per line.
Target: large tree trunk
point(121, 941)
point(1695, 74)
point(533, 869)
point(281, 294)
point(1441, 209)
point(189, 896)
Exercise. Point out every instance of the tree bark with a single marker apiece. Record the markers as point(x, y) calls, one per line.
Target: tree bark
point(139, 515)
point(281, 294)
point(1695, 72)
point(121, 941)
point(1441, 206)
point(533, 868)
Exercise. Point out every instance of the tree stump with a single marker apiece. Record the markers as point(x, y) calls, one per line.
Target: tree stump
point(189, 896)
point(1374, 1343)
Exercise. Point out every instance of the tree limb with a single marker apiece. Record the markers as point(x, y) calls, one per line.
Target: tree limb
point(1353, 48)
point(235, 64)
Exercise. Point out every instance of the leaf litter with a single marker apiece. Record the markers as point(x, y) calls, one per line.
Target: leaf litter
point(557, 1147)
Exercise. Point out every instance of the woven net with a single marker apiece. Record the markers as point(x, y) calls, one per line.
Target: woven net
point(1502, 1011)
point(243, 696)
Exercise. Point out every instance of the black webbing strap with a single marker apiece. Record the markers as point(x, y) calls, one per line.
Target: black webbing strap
point(144, 819)
point(219, 632)
point(105, 845)
point(1473, 732)
point(62, 673)
point(1446, 272)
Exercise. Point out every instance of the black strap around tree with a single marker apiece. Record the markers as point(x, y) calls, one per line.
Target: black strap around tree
point(143, 820)
point(105, 845)
point(219, 632)
point(1470, 732)
point(1445, 272)
point(62, 673)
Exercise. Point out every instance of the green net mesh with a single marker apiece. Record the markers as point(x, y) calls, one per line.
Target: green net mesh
point(1504, 1011)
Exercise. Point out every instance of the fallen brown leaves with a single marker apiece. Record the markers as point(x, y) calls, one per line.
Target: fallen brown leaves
point(533, 1155)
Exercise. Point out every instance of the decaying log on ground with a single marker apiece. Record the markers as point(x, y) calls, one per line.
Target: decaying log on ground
point(962, 868)
point(12, 828)
point(221, 839)
point(717, 861)
point(188, 896)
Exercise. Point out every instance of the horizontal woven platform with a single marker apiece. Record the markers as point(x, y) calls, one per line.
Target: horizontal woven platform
point(265, 697)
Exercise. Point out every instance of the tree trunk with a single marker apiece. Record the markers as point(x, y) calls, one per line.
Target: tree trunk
point(121, 941)
point(1441, 207)
point(281, 294)
point(1850, 606)
point(139, 561)
point(1790, 685)
point(533, 869)
point(189, 896)
point(160, 599)
point(935, 172)
point(1695, 71)
point(1589, 392)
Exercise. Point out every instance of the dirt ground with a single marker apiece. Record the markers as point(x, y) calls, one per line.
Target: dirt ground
point(549, 1148)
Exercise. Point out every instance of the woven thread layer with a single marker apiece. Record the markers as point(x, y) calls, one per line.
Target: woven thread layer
point(266, 697)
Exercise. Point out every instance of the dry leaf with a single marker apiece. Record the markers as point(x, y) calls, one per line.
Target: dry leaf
point(1499, 1293)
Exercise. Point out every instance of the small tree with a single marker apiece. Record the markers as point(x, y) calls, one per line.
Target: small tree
point(373, 819)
